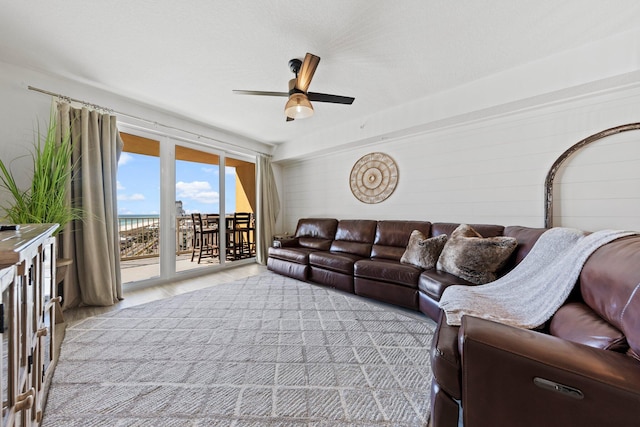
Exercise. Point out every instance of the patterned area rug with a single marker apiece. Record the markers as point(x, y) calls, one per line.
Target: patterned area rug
point(261, 351)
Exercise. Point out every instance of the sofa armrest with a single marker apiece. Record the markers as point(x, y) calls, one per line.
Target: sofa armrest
point(513, 376)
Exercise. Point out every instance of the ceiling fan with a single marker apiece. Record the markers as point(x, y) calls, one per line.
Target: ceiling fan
point(299, 106)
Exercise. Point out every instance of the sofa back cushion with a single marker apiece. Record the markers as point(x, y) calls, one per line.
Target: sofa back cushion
point(316, 233)
point(392, 237)
point(610, 285)
point(485, 230)
point(526, 238)
point(354, 236)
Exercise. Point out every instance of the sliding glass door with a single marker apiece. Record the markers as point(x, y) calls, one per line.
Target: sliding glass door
point(182, 207)
point(213, 230)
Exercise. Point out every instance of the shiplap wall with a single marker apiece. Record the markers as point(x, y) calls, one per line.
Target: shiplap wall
point(600, 185)
point(491, 171)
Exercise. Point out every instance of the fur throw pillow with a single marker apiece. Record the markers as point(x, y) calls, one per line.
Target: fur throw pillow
point(476, 259)
point(423, 252)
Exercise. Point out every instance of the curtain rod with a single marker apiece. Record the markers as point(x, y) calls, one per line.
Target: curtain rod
point(98, 107)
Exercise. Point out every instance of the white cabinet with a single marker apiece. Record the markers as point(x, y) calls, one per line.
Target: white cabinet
point(27, 276)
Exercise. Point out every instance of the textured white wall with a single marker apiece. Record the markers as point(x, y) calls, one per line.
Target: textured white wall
point(20, 116)
point(491, 170)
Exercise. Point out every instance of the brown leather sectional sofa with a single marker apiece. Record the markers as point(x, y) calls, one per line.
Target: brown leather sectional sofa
point(363, 257)
point(580, 369)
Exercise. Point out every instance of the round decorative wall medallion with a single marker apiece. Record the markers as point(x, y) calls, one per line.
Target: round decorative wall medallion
point(373, 178)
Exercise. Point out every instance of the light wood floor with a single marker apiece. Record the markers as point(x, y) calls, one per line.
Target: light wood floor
point(141, 296)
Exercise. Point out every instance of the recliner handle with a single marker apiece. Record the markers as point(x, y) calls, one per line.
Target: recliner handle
point(560, 388)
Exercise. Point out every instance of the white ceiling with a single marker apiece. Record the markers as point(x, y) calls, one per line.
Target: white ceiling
point(187, 56)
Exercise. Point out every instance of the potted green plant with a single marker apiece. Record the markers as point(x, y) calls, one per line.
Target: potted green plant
point(45, 200)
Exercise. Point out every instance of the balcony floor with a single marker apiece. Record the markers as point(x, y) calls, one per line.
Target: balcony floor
point(144, 268)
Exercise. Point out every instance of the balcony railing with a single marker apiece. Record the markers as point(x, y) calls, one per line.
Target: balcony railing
point(139, 237)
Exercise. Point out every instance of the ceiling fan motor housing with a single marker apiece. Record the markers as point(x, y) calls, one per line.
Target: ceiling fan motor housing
point(294, 65)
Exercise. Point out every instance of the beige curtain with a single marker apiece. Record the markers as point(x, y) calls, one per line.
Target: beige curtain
point(269, 207)
point(93, 244)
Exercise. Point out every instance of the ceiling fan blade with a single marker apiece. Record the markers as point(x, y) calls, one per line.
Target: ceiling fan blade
point(307, 70)
point(260, 92)
point(325, 97)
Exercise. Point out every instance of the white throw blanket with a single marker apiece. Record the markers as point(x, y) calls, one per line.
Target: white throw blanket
point(533, 291)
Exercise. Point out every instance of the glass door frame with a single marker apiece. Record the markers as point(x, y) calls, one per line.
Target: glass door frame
point(205, 150)
point(168, 198)
point(161, 138)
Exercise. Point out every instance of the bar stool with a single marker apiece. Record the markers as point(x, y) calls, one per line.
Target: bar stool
point(243, 232)
point(205, 239)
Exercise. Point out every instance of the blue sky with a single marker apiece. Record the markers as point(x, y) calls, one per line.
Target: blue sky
point(196, 186)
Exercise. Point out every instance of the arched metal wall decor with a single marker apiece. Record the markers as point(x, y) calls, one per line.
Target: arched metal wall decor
point(548, 183)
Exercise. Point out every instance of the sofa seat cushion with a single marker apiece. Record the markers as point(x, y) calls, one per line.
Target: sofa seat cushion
point(334, 261)
point(297, 255)
point(577, 322)
point(433, 282)
point(384, 270)
point(315, 243)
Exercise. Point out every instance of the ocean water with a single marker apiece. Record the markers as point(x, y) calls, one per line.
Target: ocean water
point(135, 221)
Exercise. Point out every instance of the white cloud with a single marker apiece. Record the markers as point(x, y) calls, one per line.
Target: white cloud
point(131, 197)
point(209, 170)
point(124, 158)
point(119, 186)
point(229, 170)
point(199, 191)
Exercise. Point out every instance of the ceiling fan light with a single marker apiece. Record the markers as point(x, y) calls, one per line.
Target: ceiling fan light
point(298, 106)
